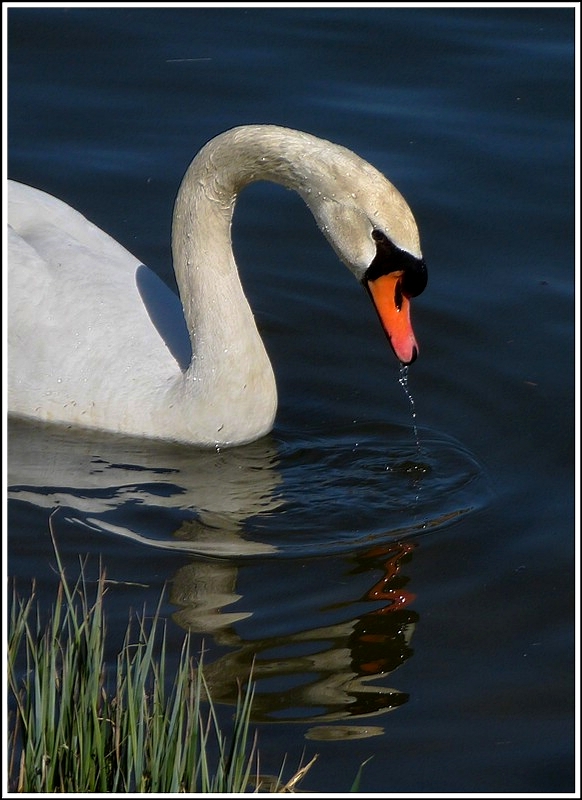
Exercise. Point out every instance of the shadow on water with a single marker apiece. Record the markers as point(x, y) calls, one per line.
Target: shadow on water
point(317, 632)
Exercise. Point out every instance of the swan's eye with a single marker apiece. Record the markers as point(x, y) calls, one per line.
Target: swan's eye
point(390, 258)
point(386, 254)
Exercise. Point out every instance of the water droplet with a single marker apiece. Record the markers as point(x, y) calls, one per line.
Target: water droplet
point(403, 381)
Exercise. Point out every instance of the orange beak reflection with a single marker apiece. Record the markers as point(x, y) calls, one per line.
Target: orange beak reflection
point(393, 308)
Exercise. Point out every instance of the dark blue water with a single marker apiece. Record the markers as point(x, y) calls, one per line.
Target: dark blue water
point(410, 602)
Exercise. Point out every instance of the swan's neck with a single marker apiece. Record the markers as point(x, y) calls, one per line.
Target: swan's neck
point(216, 311)
point(226, 345)
point(229, 363)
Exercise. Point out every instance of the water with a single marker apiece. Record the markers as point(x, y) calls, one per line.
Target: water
point(404, 584)
point(403, 381)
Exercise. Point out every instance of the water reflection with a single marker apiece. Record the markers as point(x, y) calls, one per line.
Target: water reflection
point(327, 671)
point(282, 515)
point(347, 489)
point(154, 493)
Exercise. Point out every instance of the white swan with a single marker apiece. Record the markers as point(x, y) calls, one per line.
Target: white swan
point(97, 340)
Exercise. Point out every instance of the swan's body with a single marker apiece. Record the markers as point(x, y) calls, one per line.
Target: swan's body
point(97, 340)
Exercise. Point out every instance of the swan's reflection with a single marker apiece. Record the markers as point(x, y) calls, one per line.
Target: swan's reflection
point(332, 661)
point(106, 481)
point(333, 665)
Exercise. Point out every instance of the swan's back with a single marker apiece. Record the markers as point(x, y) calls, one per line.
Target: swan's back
point(79, 331)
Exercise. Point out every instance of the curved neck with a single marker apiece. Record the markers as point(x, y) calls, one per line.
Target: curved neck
point(204, 264)
point(347, 196)
point(218, 316)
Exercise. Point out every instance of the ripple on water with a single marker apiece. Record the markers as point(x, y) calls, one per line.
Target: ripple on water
point(369, 484)
point(287, 495)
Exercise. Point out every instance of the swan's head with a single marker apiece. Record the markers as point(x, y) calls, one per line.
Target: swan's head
point(393, 277)
point(372, 229)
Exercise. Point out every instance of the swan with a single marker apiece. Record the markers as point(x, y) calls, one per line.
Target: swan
point(97, 340)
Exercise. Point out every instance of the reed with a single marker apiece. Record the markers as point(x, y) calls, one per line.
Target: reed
point(81, 725)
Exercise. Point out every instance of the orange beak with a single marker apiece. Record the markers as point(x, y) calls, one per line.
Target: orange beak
point(393, 308)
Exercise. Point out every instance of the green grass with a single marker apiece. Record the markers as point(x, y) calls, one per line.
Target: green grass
point(81, 725)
